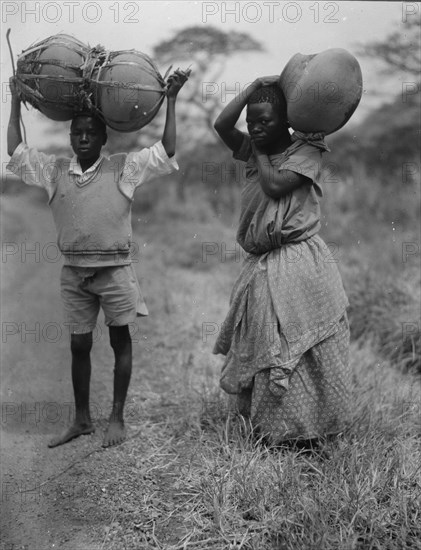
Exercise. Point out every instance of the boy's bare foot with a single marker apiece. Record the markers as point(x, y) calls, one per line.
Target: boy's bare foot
point(114, 434)
point(74, 431)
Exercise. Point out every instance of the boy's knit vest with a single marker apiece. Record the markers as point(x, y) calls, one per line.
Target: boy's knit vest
point(93, 220)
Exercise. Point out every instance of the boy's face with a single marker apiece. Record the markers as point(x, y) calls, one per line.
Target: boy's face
point(87, 137)
point(264, 124)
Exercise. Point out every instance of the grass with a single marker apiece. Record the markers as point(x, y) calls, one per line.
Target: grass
point(206, 482)
point(195, 477)
point(192, 475)
point(387, 313)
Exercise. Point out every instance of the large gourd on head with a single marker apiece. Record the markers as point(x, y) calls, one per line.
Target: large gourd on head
point(50, 77)
point(127, 89)
point(322, 90)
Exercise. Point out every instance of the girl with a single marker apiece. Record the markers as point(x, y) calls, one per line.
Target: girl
point(286, 334)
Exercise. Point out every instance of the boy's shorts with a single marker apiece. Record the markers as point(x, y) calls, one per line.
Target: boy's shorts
point(115, 289)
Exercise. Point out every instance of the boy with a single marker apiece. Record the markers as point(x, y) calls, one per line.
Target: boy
point(90, 196)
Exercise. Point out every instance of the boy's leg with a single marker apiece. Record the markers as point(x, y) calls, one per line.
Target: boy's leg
point(81, 345)
point(121, 343)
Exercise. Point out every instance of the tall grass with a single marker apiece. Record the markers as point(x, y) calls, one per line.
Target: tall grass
point(218, 487)
point(387, 313)
point(373, 225)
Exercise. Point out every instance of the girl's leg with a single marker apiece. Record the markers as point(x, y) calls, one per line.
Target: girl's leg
point(121, 343)
point(80, 345)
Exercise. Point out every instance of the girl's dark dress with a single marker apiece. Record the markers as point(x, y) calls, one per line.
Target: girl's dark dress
point(286, 334)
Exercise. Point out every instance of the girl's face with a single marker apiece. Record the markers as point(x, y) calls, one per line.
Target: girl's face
point(264, 124)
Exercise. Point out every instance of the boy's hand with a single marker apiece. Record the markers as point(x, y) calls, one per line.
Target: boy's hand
point(267, 80)
point(176, 81)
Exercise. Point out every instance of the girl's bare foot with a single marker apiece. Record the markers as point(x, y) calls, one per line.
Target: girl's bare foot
point(115, 433)
point(74, 431)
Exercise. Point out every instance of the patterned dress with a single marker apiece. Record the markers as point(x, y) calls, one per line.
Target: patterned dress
point(286, 336)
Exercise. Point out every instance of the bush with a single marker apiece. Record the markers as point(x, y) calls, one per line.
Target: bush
point(387, 313)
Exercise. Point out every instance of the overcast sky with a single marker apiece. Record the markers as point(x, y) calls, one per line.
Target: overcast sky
point(284, 28)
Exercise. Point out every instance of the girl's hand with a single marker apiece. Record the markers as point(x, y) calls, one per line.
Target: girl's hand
point(267, 80)
point(176, 81)
point(255, 149)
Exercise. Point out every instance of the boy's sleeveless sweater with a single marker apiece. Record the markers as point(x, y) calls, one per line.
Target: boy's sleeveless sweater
point(93, 220)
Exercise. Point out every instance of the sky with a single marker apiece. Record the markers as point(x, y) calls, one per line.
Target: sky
point(284, 29)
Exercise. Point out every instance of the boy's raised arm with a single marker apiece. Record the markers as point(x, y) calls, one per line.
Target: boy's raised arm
point(14, 135)
point(175, 83)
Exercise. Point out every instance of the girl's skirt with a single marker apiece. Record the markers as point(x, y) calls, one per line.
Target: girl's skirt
point(286, 342)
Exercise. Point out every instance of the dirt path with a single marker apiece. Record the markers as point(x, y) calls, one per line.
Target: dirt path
point(68, 497)
point(35, 384)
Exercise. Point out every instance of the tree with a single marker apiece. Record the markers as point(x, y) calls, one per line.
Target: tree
point(399, 50)
point(387, 142)
point(207, 50)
